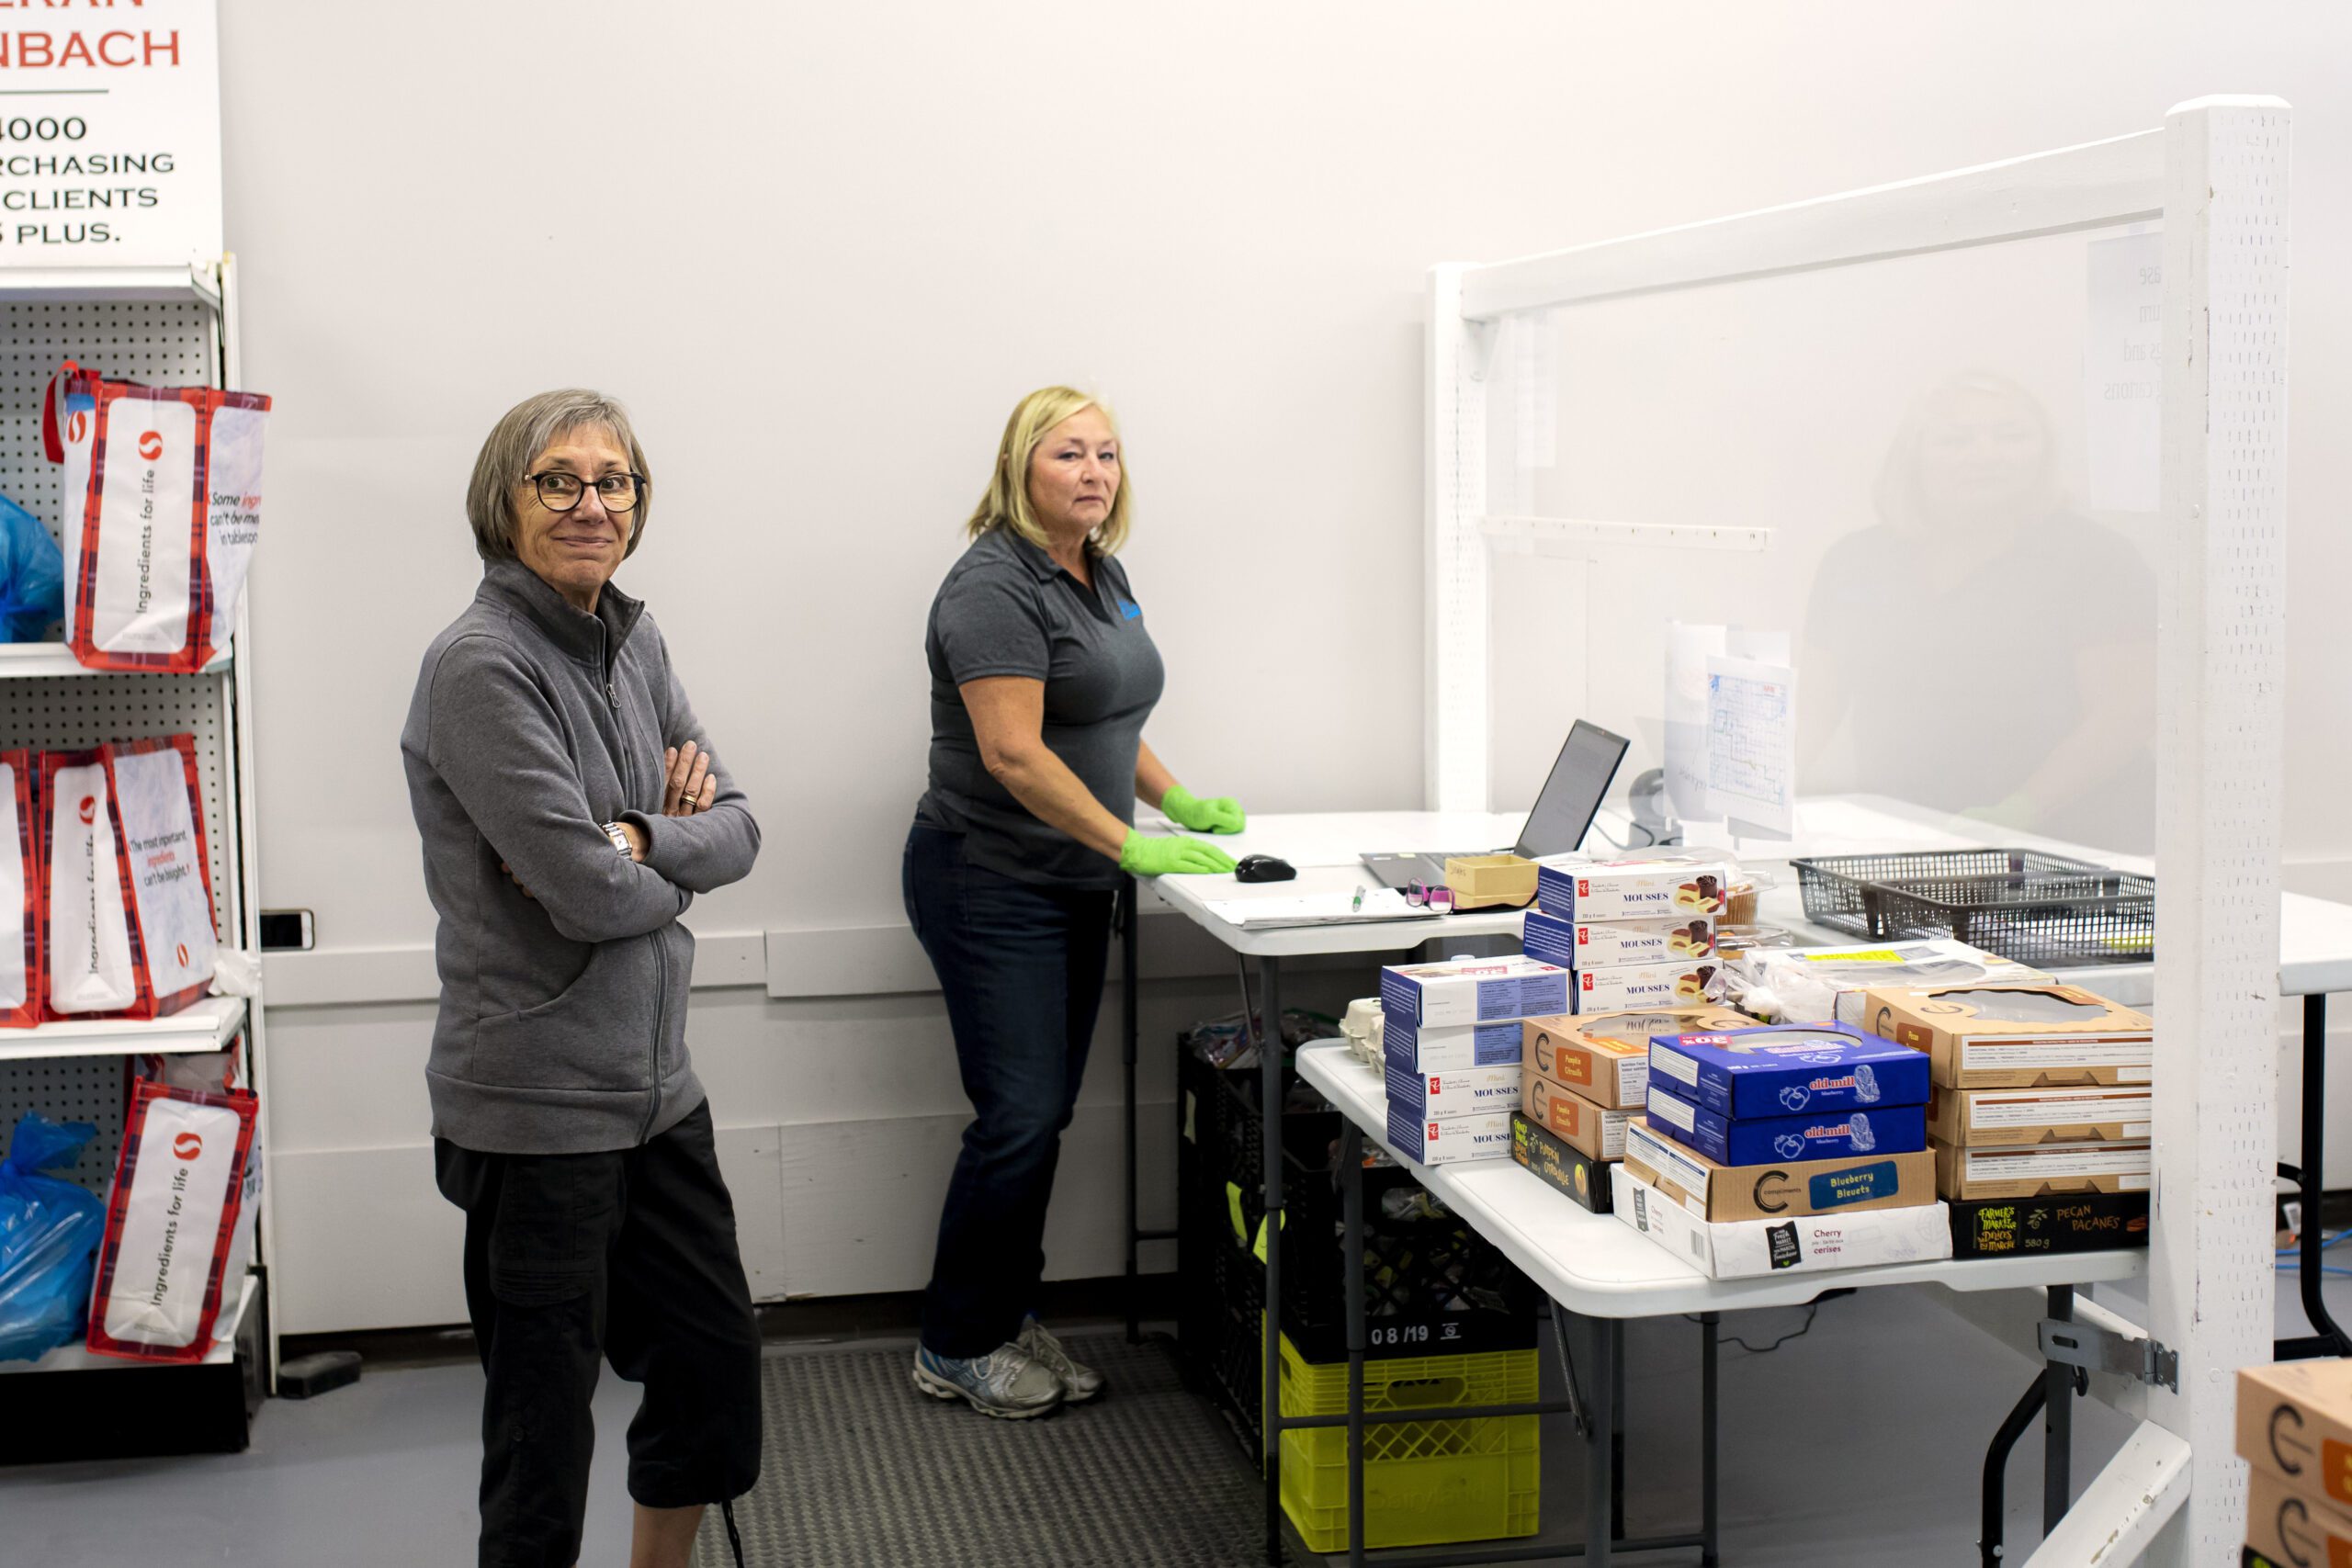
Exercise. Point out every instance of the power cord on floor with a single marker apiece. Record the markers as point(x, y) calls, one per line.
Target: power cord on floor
point(1812, 1309)
point(2295, 1254)
point(2325, 1242)
point(727, 1512)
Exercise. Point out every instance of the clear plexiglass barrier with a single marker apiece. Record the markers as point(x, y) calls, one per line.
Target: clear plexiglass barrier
point(1955, 459)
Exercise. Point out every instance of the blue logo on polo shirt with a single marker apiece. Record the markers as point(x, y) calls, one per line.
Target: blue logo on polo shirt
point(1129, 610)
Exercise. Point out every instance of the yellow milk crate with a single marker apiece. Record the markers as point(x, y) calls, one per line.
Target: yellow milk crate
point(1425, 1482)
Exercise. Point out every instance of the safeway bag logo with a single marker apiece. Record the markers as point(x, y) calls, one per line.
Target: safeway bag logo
point(151, 444)
point(88, 809)
point(170, 1223)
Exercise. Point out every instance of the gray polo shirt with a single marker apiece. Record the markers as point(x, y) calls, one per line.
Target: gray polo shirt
point(1006, 609)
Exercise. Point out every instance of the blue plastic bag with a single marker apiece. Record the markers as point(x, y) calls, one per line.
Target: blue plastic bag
point(49, 1240)
point(32, 576)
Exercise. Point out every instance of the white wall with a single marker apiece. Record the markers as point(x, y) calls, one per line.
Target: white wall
point(821, 251)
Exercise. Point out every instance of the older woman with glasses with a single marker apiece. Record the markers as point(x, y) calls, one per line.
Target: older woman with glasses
point(571, 809)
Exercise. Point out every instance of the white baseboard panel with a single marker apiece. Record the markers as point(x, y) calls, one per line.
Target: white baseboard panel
point(365, 1241)
point(796, 964)
point(355, 976)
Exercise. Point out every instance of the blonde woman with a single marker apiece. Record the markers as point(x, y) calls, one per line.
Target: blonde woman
point(1042, 673)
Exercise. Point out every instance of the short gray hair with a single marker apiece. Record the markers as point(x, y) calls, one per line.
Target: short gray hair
point(523, 432)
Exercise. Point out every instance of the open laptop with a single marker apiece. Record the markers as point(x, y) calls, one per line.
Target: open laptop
point(1580, 776)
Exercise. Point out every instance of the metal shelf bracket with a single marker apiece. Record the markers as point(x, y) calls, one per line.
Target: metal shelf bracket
point(2103, 1350)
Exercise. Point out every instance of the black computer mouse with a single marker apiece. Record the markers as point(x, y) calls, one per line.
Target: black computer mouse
point(1262, 868)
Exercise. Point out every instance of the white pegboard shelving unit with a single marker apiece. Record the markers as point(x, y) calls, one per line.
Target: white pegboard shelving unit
point(76, 1359)
point(165, 326)
point(210, 1025)
point(2215, 175)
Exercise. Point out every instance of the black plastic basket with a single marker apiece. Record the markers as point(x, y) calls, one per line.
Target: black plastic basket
point(2050, 911)
point(1432, 1285)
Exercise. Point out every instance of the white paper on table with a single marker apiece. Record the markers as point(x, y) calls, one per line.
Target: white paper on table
point(1316, 910)
point(2123, 371)
point(1752, 744)
point(1688, 648)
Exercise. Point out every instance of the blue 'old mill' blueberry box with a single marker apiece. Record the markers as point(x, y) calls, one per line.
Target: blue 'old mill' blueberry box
point(1779, 1070)
point(1833, 1135)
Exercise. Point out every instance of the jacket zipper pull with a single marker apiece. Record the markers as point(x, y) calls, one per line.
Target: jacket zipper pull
point(613, 696)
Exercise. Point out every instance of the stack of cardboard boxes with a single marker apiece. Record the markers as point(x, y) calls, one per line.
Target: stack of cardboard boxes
point(1452, 1037)
point(1582, 1083)
point(2039, 1117)
point(1637, 933)
point(1784, 1146)
point(2295, 1429)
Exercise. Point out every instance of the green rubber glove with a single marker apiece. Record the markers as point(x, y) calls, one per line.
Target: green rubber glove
point(1154, 854)
point(1222, 815)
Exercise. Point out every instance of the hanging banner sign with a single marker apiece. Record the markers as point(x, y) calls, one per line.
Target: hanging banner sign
point(110, 133)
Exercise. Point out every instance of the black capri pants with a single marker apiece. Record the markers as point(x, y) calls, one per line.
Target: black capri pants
point(628, 1256)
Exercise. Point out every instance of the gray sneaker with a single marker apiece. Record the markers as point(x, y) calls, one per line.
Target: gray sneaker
point(1080, 1382)
point(1007, 1381)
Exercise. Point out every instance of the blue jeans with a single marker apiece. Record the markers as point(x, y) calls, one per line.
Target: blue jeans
point(1020, 966)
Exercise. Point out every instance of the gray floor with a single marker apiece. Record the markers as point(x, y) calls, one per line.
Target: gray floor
point(1857, 1445)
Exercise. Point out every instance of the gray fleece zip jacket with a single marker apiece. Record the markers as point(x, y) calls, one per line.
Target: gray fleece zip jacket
point(563, 1022)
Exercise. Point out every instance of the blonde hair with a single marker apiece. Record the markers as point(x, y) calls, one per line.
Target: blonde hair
point(1896, 492)
point(1005, 503)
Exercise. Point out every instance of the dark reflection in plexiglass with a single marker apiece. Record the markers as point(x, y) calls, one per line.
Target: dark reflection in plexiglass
point(1983, 648)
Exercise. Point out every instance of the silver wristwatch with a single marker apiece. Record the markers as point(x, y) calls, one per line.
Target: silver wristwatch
point(620, 837)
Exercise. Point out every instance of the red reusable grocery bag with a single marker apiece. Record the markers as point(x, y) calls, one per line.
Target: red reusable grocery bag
point(172, 1219)
point(127, 915)
point(20, 948)
point(163, 506)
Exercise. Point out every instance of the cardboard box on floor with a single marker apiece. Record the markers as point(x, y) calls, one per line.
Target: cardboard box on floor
point(2295, 1528)
point(1559, 1166)
point(2042, 1169)
point(1725, 1192)
point(1998, 1118)
point(1742, 1248)
point(2017, 1036)
point(1605, 1056)
point(2295, 1422)
point(1574, 1120)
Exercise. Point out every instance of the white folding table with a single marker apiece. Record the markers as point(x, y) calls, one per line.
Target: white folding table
point(1597, 1271)
point(2315, 940)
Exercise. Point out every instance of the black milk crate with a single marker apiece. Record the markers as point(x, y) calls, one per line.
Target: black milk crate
point(1432, 1286)
point(2050, 911)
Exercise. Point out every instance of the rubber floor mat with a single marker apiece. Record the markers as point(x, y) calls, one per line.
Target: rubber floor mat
point(862, 1471)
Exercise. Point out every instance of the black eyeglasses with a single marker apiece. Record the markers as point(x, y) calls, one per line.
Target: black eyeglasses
point(560, 492)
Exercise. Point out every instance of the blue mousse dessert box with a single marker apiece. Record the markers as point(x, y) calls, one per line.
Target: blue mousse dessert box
point(1787, 1070)
point(1765, 1140)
